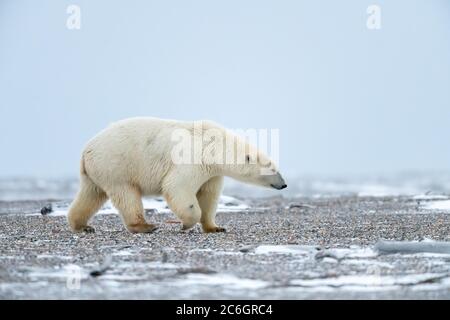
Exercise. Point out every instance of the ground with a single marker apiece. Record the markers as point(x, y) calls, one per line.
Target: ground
point(279, 248)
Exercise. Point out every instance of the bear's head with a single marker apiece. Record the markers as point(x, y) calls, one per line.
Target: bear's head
point(253, 166)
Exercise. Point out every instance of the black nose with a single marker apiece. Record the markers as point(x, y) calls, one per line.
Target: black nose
point(278, 187)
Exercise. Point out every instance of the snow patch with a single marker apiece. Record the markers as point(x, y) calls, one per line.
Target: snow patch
point(371, 281)
point(286, 249)
point(223, 280)
point(428, 197)
point(353, 252)
point(157, 205)
point(443, 205)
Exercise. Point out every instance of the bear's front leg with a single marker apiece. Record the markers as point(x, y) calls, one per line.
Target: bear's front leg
point(185, 206)
point(208, 198)
point(127, 199)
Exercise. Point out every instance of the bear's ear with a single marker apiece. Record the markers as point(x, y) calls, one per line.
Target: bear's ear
point(247, 158)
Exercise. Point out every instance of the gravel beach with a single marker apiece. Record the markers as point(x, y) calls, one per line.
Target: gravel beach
point(279, 248)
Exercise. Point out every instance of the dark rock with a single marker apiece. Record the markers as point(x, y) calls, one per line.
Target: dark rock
point(245, 249)
point(46, 209)
point(300, 205)
point(203, 270)
point(103, 267)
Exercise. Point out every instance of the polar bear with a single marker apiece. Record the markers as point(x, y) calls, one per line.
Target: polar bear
point(185, 162)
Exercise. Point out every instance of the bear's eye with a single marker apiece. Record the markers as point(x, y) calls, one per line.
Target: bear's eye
point(247, 158)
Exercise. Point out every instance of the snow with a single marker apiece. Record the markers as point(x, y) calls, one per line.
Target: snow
point(285, 249)
point(368, 188)
point(229, 204)
point(443, 205)
point(226, 204)
point(413, 247)
point(428, 197)
point(124, 253)
point(223, 280)
point(361, 281)
point(353, 252)
point(133, 276)
point(66, 272)
point(337, 253)
point(51, 256)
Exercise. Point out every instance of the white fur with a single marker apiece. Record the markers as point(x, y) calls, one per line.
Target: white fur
point(132, 158)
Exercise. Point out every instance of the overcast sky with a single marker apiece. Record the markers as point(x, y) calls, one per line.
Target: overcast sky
point(347, 99)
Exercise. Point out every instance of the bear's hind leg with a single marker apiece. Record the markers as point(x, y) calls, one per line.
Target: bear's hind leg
point(87, 202)
point(128, 201)
point(208, 198)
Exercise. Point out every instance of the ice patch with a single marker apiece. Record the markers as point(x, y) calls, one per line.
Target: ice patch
point(231, 204)
point(12, 257)
point(347, 253)
point(216, 252)
point(65, 272)
point(124, 253)
point(353, 252)
point(370, 263)
point(413, 247)
point(428, 197)
point(285, 249)
point(443, 205)
point(223, 280)
point(163, 265)
point(360, 188)
point(120, 277)
point(50, 256)
point(371, 281)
